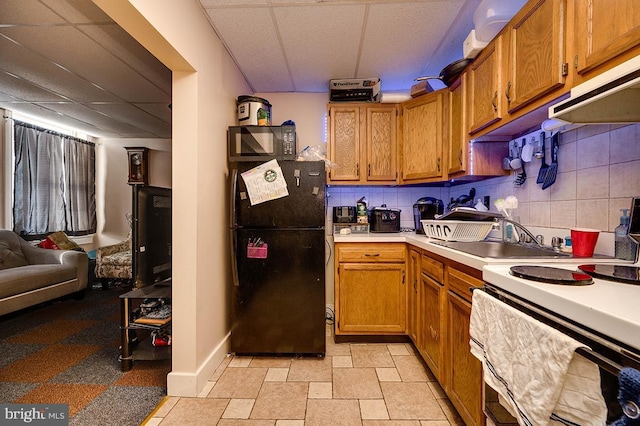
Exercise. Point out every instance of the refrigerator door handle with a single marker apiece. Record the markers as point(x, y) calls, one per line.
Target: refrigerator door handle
point(233, 187)
point(234, 261)
point(232, 222)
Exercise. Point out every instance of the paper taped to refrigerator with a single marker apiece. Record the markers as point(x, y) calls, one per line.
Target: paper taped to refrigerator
point(265, 182)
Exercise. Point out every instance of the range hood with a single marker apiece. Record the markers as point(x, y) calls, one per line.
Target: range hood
point(611, 97)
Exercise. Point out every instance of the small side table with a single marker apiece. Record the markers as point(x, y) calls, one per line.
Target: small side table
point(143, 350)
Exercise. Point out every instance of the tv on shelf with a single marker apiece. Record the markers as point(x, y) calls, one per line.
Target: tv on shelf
point(151, 235)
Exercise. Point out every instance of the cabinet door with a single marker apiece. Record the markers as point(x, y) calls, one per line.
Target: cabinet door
point(412, 295)
point(344, 143)
point(422, 138)
point(457, 147)
point(537, 63)
point(431, 330)
point(371, 299)
point(465, 371)
point(604, 30)
point(485, 82)
point(382, 145)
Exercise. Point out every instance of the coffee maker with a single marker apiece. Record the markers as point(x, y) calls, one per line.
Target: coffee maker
point(426, 208)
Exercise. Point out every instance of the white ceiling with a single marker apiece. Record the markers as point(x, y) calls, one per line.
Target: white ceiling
point(299, 45)
point(68, 62)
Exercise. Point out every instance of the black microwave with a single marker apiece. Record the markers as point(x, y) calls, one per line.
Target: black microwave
point(258, 143)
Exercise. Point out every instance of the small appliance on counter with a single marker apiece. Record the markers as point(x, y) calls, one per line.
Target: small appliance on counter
point(383, 219)
point(344, 214)
point(463, 200)
point(426, 208)
point(253, 111)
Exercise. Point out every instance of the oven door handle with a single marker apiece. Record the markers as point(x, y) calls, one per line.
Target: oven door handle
point(600, 360)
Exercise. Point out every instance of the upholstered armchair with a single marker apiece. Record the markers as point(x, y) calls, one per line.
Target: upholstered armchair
point(113, 262)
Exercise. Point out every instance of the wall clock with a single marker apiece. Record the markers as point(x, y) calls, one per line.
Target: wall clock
point(138, 160)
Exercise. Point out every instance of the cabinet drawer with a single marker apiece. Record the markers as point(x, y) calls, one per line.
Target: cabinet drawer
point(460, 283)
point(371, 253)
point(433, 268)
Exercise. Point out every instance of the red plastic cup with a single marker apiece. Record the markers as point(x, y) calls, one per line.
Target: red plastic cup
point(583, 241)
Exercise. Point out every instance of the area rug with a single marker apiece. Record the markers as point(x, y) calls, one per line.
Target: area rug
point(66, 352)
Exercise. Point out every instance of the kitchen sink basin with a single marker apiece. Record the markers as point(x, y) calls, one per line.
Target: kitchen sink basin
point(503, 250)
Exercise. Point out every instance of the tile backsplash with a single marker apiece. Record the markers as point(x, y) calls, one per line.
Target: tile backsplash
point(598, 174)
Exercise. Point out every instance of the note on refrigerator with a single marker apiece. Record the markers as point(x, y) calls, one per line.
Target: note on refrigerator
point(265, 182)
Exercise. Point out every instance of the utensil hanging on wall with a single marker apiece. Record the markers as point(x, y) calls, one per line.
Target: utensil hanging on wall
point(542, 173)
point(550, 177)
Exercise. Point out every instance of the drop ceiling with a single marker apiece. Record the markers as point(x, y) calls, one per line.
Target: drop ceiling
point(299, 45)
point(68, 62)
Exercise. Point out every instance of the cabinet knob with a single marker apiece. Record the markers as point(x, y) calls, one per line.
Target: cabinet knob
point(506, 93)
point(372, 254)
point(493, 101)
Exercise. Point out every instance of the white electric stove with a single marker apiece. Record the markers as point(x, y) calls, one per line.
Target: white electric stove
point(611, 308)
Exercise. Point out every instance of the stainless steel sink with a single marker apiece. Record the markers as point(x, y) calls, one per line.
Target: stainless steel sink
point(503, 250)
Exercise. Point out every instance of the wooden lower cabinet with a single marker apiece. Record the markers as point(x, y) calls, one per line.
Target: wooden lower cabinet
point(370, 289)
point(444, 312)
point(397, 289)
point(464, 386)
point(413, 268)
point(430, 340)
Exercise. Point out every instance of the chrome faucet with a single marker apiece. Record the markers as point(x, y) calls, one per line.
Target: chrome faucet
point(537, 240)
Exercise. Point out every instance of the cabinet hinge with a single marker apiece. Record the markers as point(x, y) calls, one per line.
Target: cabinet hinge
point(565, 69)
point(575, 62)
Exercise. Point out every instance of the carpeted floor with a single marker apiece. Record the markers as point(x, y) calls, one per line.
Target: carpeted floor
point(67, 353)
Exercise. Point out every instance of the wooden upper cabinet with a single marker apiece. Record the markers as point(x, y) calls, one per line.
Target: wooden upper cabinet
point(605, 30)
point(363, 143)
point(485, 86)
point(382, 144)
point(421, 149)
point(457, 146)
point(537, 62)
point(344, 143)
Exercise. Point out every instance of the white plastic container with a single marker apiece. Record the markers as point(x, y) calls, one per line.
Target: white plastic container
point(492, 15)
point(471, 46)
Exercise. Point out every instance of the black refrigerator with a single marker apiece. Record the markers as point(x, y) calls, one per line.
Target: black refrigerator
point(278, 255)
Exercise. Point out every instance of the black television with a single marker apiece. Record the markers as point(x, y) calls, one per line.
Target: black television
point(151, 239)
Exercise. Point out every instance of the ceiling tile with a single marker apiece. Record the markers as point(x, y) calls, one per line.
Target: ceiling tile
point(41, 72)
point(136, 117)
point(23, 91)
point(251, 36)
point(85, 114)
point(321, 43)
point(218, 3)
point(30, 12)
point(87, 59)
point(78, 11)
point(383, 50)
point(125, 47)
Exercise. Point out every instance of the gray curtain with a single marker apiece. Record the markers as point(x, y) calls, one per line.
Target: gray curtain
point(54, 183)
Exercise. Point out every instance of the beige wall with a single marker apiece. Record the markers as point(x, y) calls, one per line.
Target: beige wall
point(113, 194)
point(206, 83)
point(307, 110)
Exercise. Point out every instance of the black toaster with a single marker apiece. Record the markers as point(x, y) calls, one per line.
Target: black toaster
point(344, 214)
point(383, 219)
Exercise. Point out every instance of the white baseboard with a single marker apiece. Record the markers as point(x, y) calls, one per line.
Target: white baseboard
point(189, 384)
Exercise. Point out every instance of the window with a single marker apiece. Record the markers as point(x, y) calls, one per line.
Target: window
point(54, 183)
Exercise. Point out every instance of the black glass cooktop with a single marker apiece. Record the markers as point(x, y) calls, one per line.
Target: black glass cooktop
point(620, 273)
point(551, 275)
